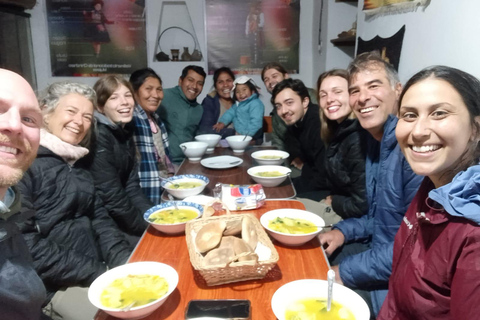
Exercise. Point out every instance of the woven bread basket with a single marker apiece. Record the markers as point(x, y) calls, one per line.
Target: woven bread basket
point(233, 271)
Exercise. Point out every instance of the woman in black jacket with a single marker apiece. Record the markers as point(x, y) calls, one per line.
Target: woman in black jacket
point(70, 235)
point(345, 147)
point(115, 168)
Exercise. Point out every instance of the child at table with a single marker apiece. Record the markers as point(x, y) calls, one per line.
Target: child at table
point(247, 112)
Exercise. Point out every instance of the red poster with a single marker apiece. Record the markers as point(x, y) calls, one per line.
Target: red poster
point(245, 35)
point(91, 38)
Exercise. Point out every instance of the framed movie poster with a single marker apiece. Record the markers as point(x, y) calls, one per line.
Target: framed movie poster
point(95, 37)
point(245, 35)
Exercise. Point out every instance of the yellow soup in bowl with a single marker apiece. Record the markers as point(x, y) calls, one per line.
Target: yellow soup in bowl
point(316, 309)
point(134, 290)
point(292, 226)
point(269, 174)
point(170, 216)
point(184, 185)
point(270, 157)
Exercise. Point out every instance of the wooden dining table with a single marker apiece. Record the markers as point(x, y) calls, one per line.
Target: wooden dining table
point(236, 175)
point(307, 261)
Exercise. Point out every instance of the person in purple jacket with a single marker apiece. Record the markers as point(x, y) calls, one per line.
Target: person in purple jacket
point(436, 269)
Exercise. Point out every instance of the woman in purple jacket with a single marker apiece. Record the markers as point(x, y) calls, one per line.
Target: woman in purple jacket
point(436, 269)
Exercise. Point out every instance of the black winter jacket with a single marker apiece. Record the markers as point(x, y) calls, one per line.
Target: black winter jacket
point(21, 291)
point(345, 168)
point(115, 171)
point(307, 135)
point(70, 235)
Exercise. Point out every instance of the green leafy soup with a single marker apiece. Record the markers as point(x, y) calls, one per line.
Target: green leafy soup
point(169, 216)
point(316, 309)
point(184, 185)
point(291, 225)
point(136, 289)
point(269, 174)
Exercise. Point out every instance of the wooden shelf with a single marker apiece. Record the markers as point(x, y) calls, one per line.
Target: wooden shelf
point(345, 41)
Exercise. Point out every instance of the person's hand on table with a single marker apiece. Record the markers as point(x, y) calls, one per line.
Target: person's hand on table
point(337, 275)
point(332, 239)
point(297, 163)
point(219, 126)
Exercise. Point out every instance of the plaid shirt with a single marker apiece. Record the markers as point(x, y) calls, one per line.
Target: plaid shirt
point(150, 179)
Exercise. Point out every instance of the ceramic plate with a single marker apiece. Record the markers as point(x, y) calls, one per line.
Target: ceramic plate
point(221, 162)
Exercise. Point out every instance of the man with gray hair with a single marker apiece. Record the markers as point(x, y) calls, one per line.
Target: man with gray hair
point(363, 260)
point(21, 291)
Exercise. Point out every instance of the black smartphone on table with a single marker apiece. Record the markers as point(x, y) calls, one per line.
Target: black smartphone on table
point(231, 309)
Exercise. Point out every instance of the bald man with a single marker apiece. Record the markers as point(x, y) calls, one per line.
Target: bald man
point(21, 291)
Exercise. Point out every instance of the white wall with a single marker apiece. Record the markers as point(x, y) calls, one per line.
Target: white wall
point(339, 17)
point(446, 32)
point(319, 52)
point(170, 71)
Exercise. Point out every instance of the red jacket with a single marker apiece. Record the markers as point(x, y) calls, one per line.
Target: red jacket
point(436, 264)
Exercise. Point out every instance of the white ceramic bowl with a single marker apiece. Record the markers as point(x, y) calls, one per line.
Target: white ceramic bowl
point(269, 181)
point(313, 288)
point(194, 150)
point(257, 155)
point(238, 143)
point(172, 228)
point(144, 267)
point(167, 184)
point(291, 239)
point(211, 139)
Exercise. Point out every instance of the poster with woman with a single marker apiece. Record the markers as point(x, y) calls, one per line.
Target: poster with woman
point(95, 37)
point(245, 35)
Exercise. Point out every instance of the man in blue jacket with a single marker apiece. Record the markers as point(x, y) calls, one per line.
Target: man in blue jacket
point(363, 260)
point(21, 290)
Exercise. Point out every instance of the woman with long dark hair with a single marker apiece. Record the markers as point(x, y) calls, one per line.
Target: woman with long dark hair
point(150, 135)
point(436, 270)
point(217, 102)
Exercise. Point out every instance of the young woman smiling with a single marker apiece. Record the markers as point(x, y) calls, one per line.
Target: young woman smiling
point(436, 269)
point(115, 168)
point(345, 149)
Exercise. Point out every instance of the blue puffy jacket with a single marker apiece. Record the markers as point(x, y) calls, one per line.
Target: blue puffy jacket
point(391, 186)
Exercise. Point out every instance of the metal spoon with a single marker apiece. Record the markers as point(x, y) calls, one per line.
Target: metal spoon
point(245, 137)
point(330, 279)
point(129, 306)
point(170, 197)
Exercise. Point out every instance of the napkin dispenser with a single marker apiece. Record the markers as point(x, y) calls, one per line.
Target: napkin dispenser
point(242, 197)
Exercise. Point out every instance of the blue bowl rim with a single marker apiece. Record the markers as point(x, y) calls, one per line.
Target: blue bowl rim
point(168, 204)
point(185, 176)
